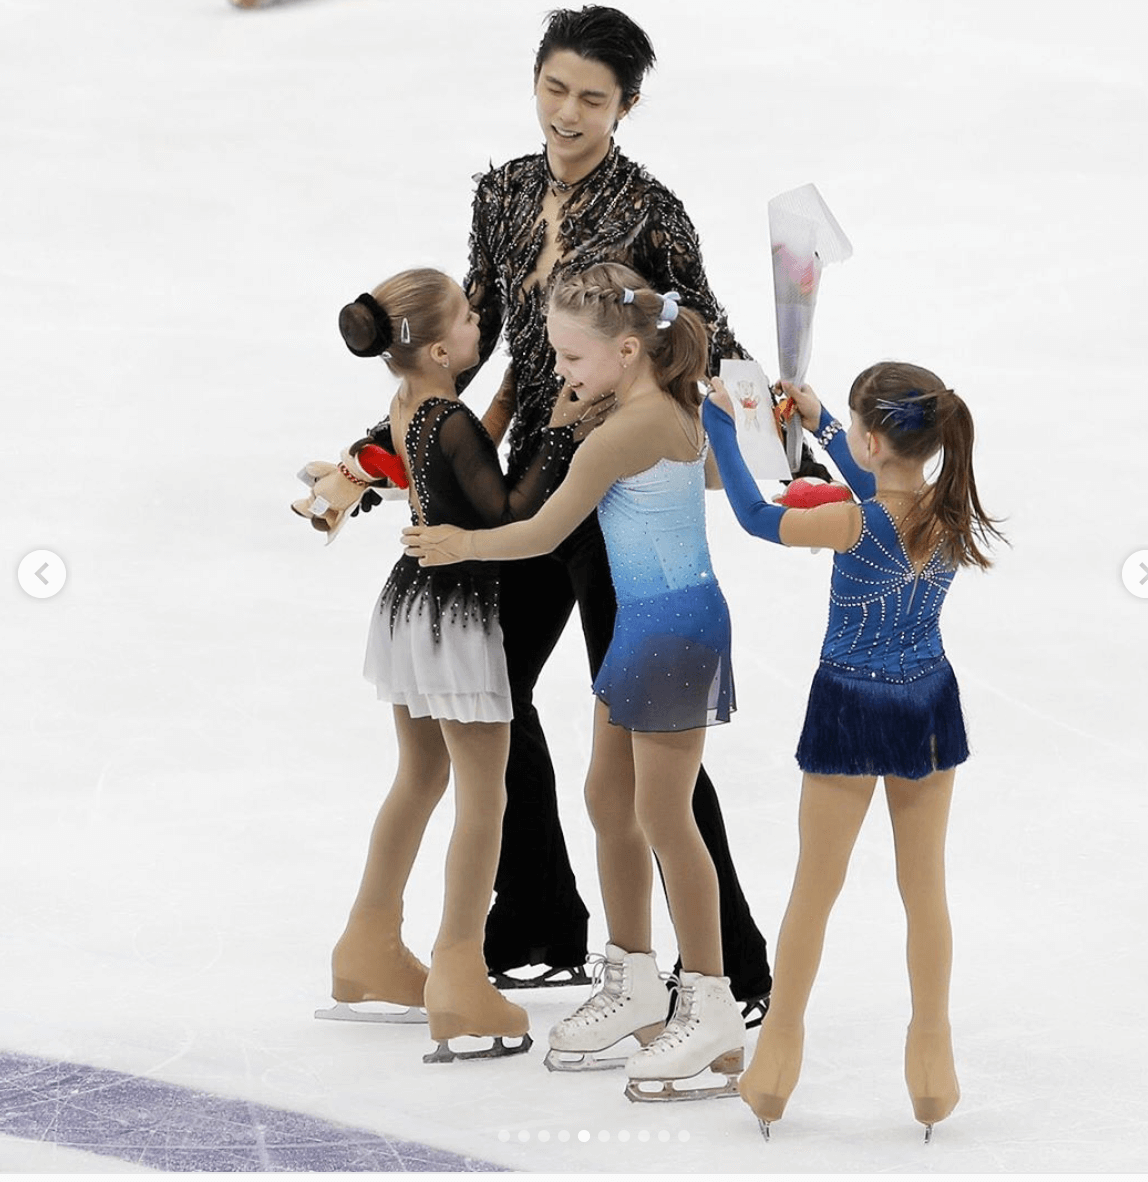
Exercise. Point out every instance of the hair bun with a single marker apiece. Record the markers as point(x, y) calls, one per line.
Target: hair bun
point(365, 326)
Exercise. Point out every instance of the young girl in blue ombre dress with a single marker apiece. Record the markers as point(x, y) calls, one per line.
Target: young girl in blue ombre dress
point(665, 677)
point(884, 701)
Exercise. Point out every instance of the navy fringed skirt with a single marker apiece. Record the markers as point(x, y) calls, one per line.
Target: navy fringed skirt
point(857, 725)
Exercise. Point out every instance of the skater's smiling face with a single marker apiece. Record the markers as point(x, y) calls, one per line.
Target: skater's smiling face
point(579, 104)
point(591, 364)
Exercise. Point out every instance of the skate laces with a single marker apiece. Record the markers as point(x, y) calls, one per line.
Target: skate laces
point(597, 963)
point(684, 1017)
point(611, 977)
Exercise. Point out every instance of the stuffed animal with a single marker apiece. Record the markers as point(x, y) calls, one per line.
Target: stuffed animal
point(337, 488)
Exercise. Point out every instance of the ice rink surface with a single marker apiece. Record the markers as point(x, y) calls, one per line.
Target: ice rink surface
point(190, 762)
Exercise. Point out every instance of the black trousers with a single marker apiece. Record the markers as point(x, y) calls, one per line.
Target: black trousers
point(538, 916)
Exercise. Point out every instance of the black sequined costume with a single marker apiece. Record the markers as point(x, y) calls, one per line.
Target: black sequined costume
point(618, 213)
point(458, 481)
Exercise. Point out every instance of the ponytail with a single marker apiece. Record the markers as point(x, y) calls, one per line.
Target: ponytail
point(920, 416)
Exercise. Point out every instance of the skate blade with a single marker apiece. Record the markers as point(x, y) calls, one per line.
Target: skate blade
point(548, 979)
point(344, 1011)
point(669, 1090)
point(928, 1134)
point(584, 1062)
point(729, 1064)
point(443, 1053)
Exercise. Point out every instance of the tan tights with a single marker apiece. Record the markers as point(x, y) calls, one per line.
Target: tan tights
point(831, 812)
point(428, 750)
point(639, 792)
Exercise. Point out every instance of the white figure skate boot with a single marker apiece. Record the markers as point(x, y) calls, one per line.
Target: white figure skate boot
point(632, 1000)
point(706, 1030)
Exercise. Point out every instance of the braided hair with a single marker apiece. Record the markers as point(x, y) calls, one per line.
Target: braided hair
point(614, 300)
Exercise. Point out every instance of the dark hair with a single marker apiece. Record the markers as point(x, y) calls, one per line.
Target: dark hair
point(602, 35)
point(373, 323)
point(920, 416)
point(679, 350)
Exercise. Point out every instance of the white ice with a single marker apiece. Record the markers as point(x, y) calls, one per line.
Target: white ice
point(190, 759)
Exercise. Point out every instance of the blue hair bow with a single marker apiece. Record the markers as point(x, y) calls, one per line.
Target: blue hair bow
point(912, 414)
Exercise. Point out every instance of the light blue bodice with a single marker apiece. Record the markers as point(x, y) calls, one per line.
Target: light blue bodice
point(884, 618)
point(654, 524)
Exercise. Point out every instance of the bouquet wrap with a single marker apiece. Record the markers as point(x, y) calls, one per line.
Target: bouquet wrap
point(804, 237)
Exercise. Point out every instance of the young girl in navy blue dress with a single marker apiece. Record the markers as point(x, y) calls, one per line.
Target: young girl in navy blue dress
point(884, 701)
point(666, 675)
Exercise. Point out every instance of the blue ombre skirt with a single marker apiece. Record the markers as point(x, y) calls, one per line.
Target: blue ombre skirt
point(858, 725)
point(668, 666)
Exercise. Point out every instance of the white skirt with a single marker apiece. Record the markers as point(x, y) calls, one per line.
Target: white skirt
point(462, 676)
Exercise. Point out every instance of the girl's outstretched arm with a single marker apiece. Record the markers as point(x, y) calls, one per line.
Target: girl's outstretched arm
point(755, 515)
point(474, 460)
point(594, 469)
point(837, 526)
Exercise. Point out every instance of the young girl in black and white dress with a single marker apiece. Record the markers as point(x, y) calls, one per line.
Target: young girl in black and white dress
point(435, 652)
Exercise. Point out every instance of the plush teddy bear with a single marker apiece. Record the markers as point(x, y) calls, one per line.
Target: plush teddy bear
point(337, 488)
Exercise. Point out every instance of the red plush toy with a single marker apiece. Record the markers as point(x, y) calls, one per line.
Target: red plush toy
point(382, 465)
point(807, 492)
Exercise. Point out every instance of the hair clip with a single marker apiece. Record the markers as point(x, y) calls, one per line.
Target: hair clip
point(405, 331)
point(627, 296)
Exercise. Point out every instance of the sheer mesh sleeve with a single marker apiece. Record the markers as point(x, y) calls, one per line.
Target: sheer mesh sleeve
point(483, 285)
point(620, 213)
point(594, 468)
point(471, 454)
point(668, 255)
point(457, 476)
